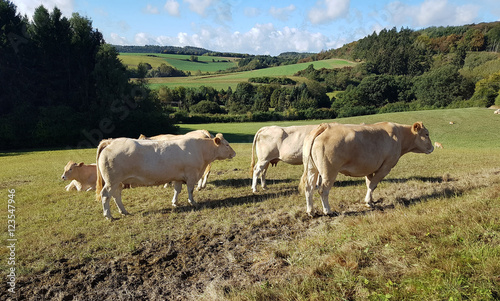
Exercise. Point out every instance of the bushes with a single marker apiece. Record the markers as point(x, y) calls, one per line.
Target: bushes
point(290, 114)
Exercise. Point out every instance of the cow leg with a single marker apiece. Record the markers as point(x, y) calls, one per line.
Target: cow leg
point(106, 194)
point(202, 183)
point(312, 174)
point(177, 190)
point(259, 170)
point(372, 181)
point(324, 192)
point(118, 200)
point(190, 188)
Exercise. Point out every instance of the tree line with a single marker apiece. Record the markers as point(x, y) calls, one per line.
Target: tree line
point(62, 85)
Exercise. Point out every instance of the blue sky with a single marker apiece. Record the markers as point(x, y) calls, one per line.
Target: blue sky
point(263, 27)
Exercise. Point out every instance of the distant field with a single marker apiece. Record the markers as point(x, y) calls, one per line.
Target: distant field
point(179, 61)
point(223, 81)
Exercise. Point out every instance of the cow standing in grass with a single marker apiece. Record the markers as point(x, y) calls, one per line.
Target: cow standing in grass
point(202, 183)
point(154, 162)
point(272, 144)
point(369, 151)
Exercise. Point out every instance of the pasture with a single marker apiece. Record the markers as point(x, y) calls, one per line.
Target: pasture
point(434, 234)
point(179, 61)
point(225, 80)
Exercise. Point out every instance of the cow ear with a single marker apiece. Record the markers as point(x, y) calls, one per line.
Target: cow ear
point(81, 164)
point(417, 126)
point(217, 140)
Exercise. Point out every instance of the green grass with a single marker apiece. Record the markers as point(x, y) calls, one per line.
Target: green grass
point(179, 61)
point(435, 235)
point(223, 81)
point(472, 127)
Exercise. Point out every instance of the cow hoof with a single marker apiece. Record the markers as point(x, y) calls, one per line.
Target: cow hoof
point(332, 214)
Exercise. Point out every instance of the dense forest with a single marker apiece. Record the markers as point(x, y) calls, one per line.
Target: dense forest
point(61, 85)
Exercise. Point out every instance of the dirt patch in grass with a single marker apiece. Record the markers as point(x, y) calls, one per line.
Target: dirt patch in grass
point(169, 270)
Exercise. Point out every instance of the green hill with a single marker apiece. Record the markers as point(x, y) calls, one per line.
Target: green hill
point(180, 61)
point(223, 81)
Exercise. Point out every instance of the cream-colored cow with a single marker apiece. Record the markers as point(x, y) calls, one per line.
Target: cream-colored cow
point(272, 144)
point(82, 176)
point(202, 183)
point(369, 151)
point(154, 162)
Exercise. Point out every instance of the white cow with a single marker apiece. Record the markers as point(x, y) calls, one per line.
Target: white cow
point(82, 176)
point(272, 144)
point(369, 151)
point(154, 162)
point(202, 183)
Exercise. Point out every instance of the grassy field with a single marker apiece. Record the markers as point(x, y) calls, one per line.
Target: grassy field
point(223, 81)
point(434, 235)
point(179, 61)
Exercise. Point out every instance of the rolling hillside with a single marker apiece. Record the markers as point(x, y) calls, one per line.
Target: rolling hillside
point(179, 61)
point(223, 81)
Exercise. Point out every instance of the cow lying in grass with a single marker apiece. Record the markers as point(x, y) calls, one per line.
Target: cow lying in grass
point(83, 177)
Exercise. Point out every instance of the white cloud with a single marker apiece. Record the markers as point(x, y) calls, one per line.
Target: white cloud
point(151, 10)
point(282, 13)
point(27, 7)
point(117, 39)
point(199, 6)
point(251, 12)
point(328, 10)
point(143, 38)
point(260, 39)
point(431, 13)
point(172, 7)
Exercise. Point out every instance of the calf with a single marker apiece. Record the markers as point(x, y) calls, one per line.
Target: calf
point(83, 176)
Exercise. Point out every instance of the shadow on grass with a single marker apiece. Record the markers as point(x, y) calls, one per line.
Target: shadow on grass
point(446, 192)
point(228, 202)
point(292, 190)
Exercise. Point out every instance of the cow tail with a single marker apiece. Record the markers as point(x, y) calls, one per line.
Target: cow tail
point(306, 152)
point(253, 151)
point(100, 181)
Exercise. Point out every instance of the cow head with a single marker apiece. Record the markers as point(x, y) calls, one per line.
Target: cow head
point(224, 150)
point(68, 170)
point(423, 142)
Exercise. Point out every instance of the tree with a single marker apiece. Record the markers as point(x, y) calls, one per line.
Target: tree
point(206, 107)
point(440, 87)
point(487, 90)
